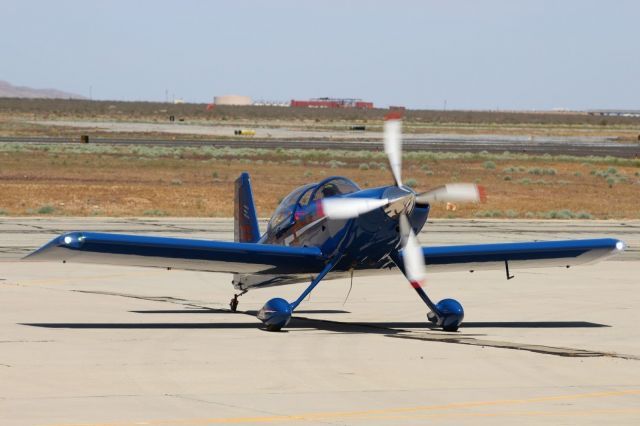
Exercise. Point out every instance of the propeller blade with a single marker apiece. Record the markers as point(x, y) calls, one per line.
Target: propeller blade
point(393, 145)
point(349, 208)
point(453, 192)
point(411, 253)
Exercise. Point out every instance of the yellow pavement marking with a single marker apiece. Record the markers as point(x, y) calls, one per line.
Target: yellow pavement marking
point(405, 413)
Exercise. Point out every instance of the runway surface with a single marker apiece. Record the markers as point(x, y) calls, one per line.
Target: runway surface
point(99, 345)
point(576, 146)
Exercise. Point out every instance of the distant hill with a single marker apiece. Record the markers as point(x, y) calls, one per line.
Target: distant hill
point(8, 90)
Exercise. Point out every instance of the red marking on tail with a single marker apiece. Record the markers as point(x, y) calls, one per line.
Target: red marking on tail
point(415, 284)
point(319, 209)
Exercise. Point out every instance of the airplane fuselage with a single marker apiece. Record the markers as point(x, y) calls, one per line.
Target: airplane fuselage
point(362, 243)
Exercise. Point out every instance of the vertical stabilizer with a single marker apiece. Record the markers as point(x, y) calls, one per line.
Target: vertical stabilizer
point(245, 220)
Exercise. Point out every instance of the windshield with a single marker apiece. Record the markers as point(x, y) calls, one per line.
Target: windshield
point(334, 186)
point(287, 206)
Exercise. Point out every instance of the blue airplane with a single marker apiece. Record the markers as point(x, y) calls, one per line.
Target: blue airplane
point(327, 230)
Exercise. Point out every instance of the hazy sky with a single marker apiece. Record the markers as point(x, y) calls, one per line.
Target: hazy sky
point(474, 54)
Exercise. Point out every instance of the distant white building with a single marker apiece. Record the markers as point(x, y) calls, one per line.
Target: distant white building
point(232, 100)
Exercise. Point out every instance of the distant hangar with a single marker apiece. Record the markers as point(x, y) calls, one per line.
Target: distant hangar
point(333, 103)
point(232, 100)
point(308, 103)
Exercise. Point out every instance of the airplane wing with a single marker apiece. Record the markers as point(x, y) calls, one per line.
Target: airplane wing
point(519, 255)
point(178, 253)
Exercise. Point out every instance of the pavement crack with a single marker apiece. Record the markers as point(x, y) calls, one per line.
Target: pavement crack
point(541, 349)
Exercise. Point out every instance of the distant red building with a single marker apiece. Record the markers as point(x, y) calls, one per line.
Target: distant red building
point(332, 103)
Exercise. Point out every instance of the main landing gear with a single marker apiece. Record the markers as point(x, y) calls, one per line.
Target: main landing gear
point(276, 313)
point(233, 304)
point(447, 313)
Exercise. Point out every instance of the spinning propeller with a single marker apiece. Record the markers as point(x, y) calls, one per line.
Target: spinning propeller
point(349, 208)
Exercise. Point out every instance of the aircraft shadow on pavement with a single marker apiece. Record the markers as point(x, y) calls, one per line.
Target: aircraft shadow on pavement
point(319, 324)
point(222, 311)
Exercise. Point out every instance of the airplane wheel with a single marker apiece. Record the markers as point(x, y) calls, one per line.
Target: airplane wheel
point(452, 327)
point(275, 314)
point(273, 327)
point(451, 313)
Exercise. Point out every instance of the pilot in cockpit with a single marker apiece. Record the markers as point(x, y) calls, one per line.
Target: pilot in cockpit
point(329, 190)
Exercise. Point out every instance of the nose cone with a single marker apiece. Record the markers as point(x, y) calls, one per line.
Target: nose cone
point(404, 200)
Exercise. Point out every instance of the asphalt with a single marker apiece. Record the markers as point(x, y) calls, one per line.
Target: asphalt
point(100, 345)
point(579, 147)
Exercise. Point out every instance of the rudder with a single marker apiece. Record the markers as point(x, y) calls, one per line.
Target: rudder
point(245, 219)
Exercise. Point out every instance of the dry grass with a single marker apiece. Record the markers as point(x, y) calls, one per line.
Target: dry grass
point(126, 182)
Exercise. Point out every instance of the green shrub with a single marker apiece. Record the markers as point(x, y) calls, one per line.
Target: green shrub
point(511, 213)
point(411, 183)
point(334, 164)
point(45, 210)
point(489, 213)
point(363, 166)
point(490, 165)
point(538, 171)
point(560, 214)
point(155, 212)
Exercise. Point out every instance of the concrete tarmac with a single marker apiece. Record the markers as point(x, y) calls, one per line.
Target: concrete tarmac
point(102, 345)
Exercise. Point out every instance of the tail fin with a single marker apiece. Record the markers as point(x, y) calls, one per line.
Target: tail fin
point(245, 220)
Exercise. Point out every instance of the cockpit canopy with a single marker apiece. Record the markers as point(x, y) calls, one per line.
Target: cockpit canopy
point(303, 195)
